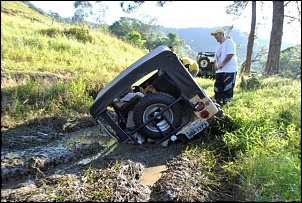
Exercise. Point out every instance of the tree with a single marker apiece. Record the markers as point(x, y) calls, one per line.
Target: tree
point(99, 13)
point(290, 62)
point(237, 8)
point(273, 59)
point(86, 11)
point(259, 58)
point(133, 6)
point(135, 38)
point(294, 17)
point(123, 26)
point(250, 44)
point(31, 6)
point(174, 41)
point(55, 16)
point(82, 10)
point(152, 35)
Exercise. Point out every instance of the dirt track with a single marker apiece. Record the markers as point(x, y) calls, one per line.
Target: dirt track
point(46, 156)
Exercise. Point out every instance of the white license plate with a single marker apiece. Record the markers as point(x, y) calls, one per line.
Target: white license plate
point(196, 128)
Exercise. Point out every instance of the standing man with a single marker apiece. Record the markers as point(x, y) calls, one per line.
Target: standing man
point(191, 65)
point(225, 66)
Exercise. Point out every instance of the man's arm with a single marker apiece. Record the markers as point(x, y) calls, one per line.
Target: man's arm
point(225, 61)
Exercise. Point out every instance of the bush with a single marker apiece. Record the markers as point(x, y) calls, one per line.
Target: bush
point(251, 83)
point(80, 34)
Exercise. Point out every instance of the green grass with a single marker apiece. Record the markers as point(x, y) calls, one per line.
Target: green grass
point(267, 144)
point(45, 72)
point(54, 69)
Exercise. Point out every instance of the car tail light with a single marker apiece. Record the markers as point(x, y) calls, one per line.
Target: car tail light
point(204, 114)
point(200, 106)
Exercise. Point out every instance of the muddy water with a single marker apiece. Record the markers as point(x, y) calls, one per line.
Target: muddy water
point(72, 152)
point(59, 153)
point(152, 174)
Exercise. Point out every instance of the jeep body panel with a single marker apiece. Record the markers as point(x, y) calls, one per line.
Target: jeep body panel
point(170, 92)
point(160, 58)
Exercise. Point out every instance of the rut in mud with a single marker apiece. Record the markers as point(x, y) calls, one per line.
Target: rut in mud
point(56, 159)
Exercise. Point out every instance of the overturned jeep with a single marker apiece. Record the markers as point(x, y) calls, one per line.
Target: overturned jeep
point(155, 99)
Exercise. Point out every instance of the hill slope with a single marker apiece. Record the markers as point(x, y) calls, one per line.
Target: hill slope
point(55, 58)
point(43, 45)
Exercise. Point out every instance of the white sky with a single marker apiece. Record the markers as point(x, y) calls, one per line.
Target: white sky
point(182, 14)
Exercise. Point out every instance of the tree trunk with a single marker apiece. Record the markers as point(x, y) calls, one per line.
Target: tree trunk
point(250, 44)
point(273, 59)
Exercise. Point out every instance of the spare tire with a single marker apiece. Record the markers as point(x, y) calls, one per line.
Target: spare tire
point(152, 104)
point(204, 64)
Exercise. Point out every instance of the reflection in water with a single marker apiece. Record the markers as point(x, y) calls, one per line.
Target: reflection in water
point(112, 145)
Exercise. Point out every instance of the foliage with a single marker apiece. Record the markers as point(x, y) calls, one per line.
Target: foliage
point(133, 6)
point(58, 67)
point(290, 62)
point(30, 5)
point(237, 7)
point(250, 83)
point(125, 25)
point(155, 35)
point(50, 74)
point(135, 38)
point(267, 144)
point(80, 34)
point(91, 12)
point(151, 36)
point(56, 16)
point(272, 65)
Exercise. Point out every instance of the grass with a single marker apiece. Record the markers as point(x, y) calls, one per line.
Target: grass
point(46, 73)
point(268, 142)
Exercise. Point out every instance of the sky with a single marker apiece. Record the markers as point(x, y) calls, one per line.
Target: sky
point(184, 14)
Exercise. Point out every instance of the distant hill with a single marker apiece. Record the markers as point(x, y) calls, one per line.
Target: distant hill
point(200, 39)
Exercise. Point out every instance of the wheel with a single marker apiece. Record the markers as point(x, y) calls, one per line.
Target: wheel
point(204, 63)
point(152, 104)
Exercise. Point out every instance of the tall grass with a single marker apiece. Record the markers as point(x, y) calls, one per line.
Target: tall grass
point(54, 68)
point(267, 143)
point(45, 73)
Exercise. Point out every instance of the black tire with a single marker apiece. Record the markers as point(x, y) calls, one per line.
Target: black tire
point(204, 64)
point(152, 104)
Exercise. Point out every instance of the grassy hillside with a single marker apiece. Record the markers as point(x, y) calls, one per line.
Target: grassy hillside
point(43, 62)
point(50, 69)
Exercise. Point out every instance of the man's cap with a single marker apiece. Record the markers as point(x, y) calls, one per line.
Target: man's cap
point(217, 31)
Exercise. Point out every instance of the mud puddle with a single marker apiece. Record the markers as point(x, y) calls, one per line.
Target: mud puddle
point(152, 174)
point(73, 152)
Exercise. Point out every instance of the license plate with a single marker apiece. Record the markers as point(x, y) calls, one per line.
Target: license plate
point(196, 128)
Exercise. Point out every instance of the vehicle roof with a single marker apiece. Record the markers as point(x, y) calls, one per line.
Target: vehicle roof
point(159, 58)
